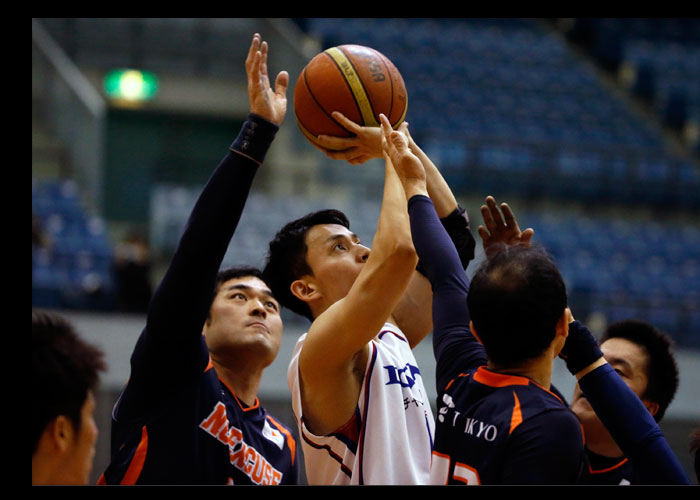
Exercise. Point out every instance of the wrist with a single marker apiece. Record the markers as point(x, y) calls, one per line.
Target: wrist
point(597, 363)
point(255, 137)
point(414, 187)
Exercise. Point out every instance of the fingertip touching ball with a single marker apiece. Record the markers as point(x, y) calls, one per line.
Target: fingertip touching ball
point(358, 81)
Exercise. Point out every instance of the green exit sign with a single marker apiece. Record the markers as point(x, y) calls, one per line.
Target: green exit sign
point(130, 85)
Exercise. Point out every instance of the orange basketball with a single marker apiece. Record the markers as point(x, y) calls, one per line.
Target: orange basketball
point(358, 81)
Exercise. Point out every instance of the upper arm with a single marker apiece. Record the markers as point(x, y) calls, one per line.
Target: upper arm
point(336, 343)
point(414, 312)
point(332, 362)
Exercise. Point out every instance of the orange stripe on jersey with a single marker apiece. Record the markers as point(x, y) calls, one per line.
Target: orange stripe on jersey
point(603, 471)
point(449, 384)
point(517, 417)
point(136, 466)
point(493, 379)
point(210, 365)
point(290, 440)
point(256, 404)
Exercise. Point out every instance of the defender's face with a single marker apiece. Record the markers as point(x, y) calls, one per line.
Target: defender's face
point(336, 257)
point(630, 362)
point(243, 317)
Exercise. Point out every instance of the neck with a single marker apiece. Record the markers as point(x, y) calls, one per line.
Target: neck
point(242, 380)
point(539, 370)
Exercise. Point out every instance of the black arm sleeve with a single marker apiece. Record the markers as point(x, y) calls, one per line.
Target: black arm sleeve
point(457, 226)
point(171, 349)
point(454, 346)
point(632, 427)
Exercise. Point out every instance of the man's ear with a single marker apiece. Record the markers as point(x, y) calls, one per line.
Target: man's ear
point(304, 290)
point(476, 335)
point(651, 406)
point(62, 433)
point(563, 323)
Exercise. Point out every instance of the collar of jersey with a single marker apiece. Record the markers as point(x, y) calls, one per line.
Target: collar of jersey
point(494, 379)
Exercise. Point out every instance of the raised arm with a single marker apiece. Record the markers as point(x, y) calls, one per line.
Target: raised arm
point(171, 347)
point(413, 313)
point(336, 347)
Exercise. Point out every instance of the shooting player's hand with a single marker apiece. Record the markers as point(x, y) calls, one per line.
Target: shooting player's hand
point(407, 165)
point(366, 143)
point(265, 101)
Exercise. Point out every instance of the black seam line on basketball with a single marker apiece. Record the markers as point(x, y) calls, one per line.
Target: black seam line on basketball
point(308, 87)
point(391, 83)
point(352, 93)
point(402, 117)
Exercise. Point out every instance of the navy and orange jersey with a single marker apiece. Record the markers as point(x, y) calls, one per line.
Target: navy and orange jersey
point(608, 470)
point(491, 428)
point(176, 422)
point(202, 435)
point(504, 429)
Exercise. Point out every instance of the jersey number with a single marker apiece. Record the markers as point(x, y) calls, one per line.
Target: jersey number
point(440, 471)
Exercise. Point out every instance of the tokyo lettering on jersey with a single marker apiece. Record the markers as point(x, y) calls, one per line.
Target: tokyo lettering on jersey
point(176, 422)
point(504, 429)
point(389, 439)
point(491, 428)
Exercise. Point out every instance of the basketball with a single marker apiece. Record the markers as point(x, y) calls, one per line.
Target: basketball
point(358, 81)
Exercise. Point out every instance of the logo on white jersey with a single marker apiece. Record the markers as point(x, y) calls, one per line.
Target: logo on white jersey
point(405, 376)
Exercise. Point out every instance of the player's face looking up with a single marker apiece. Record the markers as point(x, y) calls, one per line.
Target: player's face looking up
point(244, 317)
point(336, 257)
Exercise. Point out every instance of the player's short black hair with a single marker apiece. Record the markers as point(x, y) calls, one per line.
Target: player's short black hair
point(661, 368)
point(64, 369)
point(515, 300)
point(286, 258)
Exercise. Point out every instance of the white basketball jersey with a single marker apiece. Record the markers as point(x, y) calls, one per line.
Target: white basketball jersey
point(394, 420)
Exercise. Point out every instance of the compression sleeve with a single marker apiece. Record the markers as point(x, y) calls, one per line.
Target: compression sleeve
point(632, 427)
point(454, 346)
point(457, 226)
point(171, 347)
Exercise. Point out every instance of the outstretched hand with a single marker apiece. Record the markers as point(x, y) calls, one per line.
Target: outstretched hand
point(365, 145)
point(501, 230)
point(265, 101)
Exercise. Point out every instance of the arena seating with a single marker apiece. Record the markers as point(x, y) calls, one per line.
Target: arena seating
point(510, 95)
point(73, 268)
point(504, 107)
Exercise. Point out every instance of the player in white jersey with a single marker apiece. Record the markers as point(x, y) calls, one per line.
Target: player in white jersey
point(358, 395)
point(381, 432)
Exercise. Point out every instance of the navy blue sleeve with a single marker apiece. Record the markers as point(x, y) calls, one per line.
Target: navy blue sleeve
point(454, 346)
point(632, 427)
point(171, 349)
